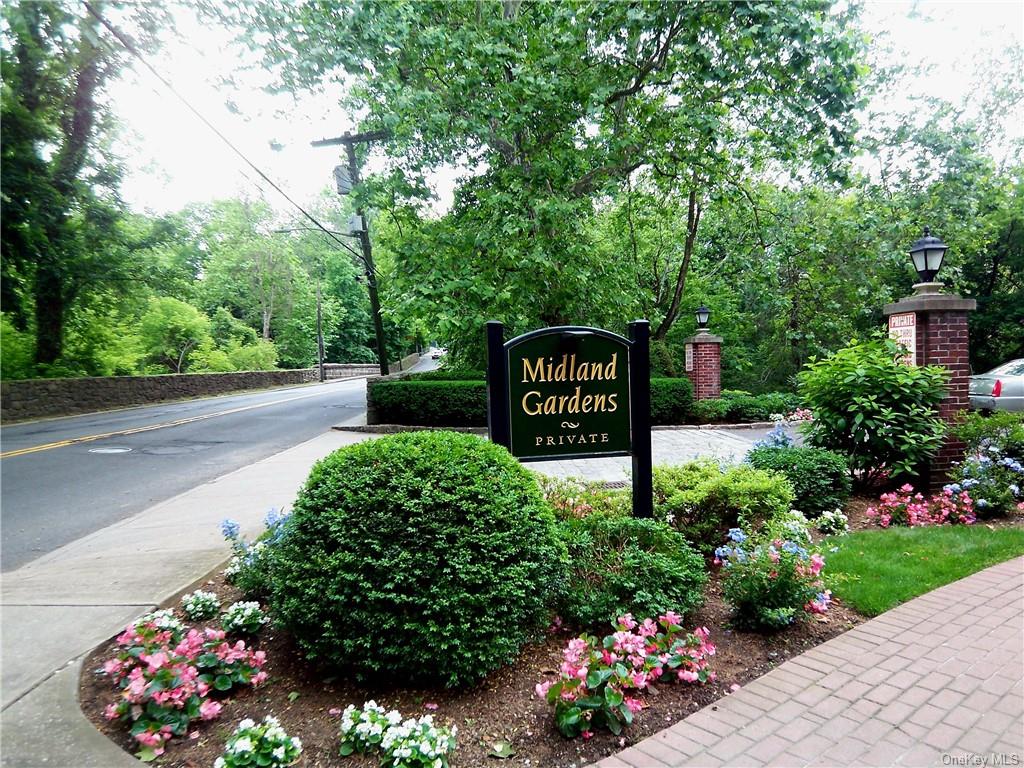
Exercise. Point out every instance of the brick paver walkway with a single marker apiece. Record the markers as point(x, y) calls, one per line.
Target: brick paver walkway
point(936, 681)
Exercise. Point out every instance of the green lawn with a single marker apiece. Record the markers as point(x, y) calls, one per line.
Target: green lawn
point(874, 571)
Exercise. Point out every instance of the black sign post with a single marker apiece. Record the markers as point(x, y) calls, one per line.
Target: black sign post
point(573, 392)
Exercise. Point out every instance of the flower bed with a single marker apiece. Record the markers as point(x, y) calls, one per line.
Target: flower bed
point(503, 714)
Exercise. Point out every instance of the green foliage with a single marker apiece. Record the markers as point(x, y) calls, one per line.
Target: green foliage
point(509, 87)
point(671, 401)
point(430, 403)
point(171, 331)
point(713, 411)
point(426, 557)
point(874, 571)
point(738, 407)
point(820, 478)
point(16, 353)
point(1002, 431)
point(873, 409)
point(744, 407)
point(702, 500)
point(620, 564)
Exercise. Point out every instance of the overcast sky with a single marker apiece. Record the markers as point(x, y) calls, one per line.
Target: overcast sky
point(173, 159)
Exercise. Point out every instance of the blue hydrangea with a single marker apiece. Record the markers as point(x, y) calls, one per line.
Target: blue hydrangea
point(981, 503)
point(737, 535)
point(230, 529)
point(777, 438)
point(952, 487)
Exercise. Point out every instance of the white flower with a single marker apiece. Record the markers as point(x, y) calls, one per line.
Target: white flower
point(247, 723)
point(218, 763)
point(244, 744)
point(278, 753)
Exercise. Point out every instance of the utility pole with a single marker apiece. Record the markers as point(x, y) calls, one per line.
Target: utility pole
point(350, 140)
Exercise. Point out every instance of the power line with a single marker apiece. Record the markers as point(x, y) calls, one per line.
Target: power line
point(130, 47)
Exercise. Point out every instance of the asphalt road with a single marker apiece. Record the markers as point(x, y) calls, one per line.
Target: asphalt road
point(60, 492)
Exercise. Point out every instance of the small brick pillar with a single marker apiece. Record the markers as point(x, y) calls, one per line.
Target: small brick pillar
point(934, 326)
point(704, 365)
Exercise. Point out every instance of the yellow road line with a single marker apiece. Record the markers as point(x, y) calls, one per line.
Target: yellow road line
point(149, 428)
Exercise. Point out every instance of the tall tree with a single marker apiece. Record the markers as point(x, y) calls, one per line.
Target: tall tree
point(554, 104)
point(58, 184)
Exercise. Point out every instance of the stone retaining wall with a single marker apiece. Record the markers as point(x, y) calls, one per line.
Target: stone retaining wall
point(35, 398)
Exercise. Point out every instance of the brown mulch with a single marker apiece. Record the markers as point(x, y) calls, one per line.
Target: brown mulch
point(502, 708)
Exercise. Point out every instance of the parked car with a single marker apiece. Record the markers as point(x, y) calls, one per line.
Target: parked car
point(1001, 389)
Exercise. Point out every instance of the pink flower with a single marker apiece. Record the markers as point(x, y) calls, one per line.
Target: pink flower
point(154, 660)
point(334, 711)
point(210, 710)
point(259, 678)
point(112, 666)
point(430, 705)
point(587, 735)
point(627, 621)
point(688, 676)
point(671, 619)
point(634, 705)
point(542, 689)
point(111, 712)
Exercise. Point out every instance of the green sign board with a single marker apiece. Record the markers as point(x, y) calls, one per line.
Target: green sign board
point(573, 393)
point(568, 394)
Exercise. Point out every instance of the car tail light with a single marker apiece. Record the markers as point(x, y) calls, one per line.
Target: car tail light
point(997, 388)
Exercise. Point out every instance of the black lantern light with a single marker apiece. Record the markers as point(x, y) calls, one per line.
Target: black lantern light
point(703, 313)
point(927, 253)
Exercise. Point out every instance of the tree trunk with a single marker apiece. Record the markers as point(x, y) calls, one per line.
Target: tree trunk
point(49, 300)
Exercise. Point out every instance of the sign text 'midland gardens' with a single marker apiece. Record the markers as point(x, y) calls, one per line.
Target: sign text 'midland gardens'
point(573, 392)
point(544, 370)
point(568, 394)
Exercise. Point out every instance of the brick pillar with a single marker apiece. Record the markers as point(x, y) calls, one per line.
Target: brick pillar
point(937, 325)
point(704, 365)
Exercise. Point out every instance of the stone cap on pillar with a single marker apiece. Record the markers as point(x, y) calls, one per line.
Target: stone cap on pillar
point(703, 338)
point(930, 301)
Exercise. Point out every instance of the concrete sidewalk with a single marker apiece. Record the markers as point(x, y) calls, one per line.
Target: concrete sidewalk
point(937, 681)
point(56, 609)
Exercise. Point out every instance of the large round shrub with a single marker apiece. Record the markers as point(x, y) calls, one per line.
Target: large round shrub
point(620, 564)
point(426, 557)
point(820, 478)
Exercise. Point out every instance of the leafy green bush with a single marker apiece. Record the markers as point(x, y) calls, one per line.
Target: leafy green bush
point(820, 478)
point(429, 403)
point(671, 401)
point(620, 564)
point(1001, 432)
point(423, 557)
point(702, 500)
point(873, 409)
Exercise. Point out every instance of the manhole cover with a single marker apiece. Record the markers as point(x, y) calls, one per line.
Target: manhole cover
point(110, 450)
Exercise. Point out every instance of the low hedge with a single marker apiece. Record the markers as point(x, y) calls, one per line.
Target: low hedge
point(671, 401)
point(738, 407)
point(430, 403)
point(459, 399)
